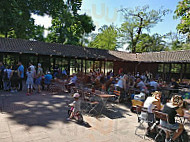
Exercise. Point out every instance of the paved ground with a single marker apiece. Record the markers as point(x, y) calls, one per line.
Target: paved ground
point(42, 118)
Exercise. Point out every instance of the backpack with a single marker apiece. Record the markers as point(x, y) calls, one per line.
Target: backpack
point(6, 76)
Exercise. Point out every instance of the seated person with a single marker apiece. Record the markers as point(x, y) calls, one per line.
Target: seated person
point(172, 108)
point(97, 84)
point(174, 85)
point(108, 83)
point(47, 79)
point(153, 84)
point(72, 82)
point(140, 84)
point(151, 103)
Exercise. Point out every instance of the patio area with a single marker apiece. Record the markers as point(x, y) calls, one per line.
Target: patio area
point(42, 117)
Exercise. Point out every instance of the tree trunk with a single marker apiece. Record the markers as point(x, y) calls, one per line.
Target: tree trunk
point(138, 35)
point(6, 35)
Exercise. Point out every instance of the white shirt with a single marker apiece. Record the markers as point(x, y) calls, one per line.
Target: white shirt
point(9, 71)
point(149, 104)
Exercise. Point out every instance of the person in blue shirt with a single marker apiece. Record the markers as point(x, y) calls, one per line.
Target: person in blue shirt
point(21, 74)
point(47, 79)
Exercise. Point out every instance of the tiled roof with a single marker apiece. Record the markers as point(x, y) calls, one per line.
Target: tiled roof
point(42, 48)
point(165, 56)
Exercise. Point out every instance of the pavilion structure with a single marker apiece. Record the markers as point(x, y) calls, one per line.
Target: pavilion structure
point(77, 58)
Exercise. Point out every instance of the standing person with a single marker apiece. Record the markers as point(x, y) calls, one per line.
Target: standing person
point(31, 67)
point(1, 75)
point(5, 79)
point(21, 74)
point(9, 72)
point(29, 81)
point(33, 70)
point(39, 77)
point(14, 79)
point(122, 87)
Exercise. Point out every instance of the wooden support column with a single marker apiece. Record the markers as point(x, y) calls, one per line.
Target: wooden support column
point(69, 60)
point(164, 72)
point(170, 67)
point(105, 67)
point(181, 71)
point(93, 65)
point(81, 65)
point(85, 66)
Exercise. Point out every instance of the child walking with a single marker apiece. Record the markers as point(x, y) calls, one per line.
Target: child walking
point(29, 81)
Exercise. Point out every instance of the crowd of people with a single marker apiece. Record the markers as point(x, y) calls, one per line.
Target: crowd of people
point(12, 78)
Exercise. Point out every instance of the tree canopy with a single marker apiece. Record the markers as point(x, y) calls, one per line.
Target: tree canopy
point(183, 12)
point(106, 38)
point(137, 21)
point(67, 25)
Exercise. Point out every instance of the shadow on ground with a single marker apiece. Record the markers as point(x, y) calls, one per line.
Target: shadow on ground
point(35, 110)
point(44, 109)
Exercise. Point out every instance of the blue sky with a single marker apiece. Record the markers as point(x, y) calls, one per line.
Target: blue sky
point(105, 12)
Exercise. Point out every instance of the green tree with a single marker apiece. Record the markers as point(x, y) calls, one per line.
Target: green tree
point(176, 41)
point(183, 12)
point(148, 43)
point(137, 21)
point(15, 15)
point(15, 18)
point(106, 39)
point(68, 28)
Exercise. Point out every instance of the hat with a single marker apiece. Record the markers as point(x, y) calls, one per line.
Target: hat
point(156, 92)
point(48, 72)
point(176, 101)
point(76, 95)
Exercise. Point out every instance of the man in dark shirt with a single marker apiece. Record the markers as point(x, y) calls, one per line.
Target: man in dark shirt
point(174, 85)
point(173, 108)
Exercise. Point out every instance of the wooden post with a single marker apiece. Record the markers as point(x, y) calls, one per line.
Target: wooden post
point(181, 72)
point(81, 65)
point(85, 66)
point(105, 67)
point(164, 72)
point(93, 65)
point(170, 67)
point(69, 66)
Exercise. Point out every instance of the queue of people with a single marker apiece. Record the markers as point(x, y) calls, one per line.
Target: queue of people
point(12, 78)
